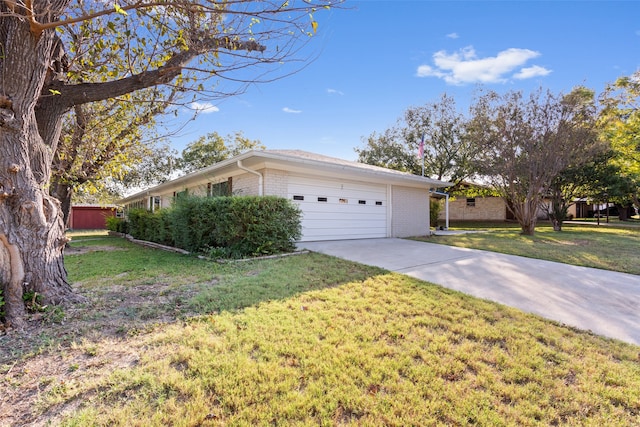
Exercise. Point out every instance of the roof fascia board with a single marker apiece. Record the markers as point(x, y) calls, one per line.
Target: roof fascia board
point(264, 159)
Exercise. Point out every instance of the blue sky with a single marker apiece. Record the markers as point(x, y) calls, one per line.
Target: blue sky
point(378, 58)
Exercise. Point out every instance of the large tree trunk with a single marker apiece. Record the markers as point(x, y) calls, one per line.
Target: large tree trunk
point(525, 213)
point(31, 229)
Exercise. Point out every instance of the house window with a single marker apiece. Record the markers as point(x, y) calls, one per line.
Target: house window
point(180, 194)
point(156, 203)
point(219, 189)
point(298, 198)
point(471, 202)
point(322, 199)
point(362, 202)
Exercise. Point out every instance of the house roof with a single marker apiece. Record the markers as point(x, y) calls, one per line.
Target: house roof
point(294, 161)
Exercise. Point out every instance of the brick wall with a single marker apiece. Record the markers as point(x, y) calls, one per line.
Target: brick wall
point(275, 182)
point(245, 185)
point(485, 209)
point(410, 212)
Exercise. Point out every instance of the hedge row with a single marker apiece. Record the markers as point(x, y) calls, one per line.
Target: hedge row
point(232, 227)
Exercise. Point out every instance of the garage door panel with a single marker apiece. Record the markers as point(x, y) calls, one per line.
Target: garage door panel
point(343, 217)
point(347, 210)
point(315, 235)
point(335, 207)
point(342, 209)
point(345, 225)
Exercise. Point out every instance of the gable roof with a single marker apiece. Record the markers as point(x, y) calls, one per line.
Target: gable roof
point(295, 161)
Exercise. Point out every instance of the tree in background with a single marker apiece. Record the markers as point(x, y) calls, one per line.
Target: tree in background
point(213, 148)
point(184, 43)
point(620, 120)
point(159, 164)
point(101, 141)
point(592, 180)
point(448, 154)
point(524, 144)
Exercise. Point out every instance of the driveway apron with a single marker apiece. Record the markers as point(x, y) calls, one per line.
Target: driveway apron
point(604, 302)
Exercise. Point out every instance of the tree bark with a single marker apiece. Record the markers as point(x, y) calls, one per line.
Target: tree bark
point(32, 104)
point(31, 231)
point(64, 193)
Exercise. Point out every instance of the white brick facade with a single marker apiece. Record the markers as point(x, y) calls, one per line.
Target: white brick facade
point(275, 182)
point(409, 212)
point(245, 185)
point(343, 198)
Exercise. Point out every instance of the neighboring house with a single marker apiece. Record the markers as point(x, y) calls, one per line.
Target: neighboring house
point(90, 217)
point(479, 208)
point(581, 208)
point(339, 199)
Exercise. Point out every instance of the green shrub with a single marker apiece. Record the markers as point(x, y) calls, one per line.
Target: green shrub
point(197, 222)
point(434, 211)
point(262, 225)
point(117, 224)
point(234, 226)
point(138, 223)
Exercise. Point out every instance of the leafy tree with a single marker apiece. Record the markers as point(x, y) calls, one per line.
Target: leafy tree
point(196, 45)
point(620, 120)
point(448, 154)
point(213, 148)
point(159, 163)
point(526, 143)
point(103, 140)
point(590, 180)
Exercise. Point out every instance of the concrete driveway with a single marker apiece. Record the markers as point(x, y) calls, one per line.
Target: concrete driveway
point(605, 302)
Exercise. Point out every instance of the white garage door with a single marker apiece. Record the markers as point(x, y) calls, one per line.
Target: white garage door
point(335, 209)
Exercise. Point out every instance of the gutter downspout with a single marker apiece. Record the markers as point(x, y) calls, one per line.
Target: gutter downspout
point(251, 171)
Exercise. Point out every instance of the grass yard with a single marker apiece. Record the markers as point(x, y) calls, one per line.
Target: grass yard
point(608, 248)
point(303, 340)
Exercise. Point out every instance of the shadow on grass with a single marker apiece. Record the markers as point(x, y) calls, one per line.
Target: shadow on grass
point(132, 288)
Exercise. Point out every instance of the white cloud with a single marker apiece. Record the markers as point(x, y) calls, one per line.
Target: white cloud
point(335, 92)
point(530, 72)
point(464, 66)
point(453, 35)
point(291, 111)
point(204, 107)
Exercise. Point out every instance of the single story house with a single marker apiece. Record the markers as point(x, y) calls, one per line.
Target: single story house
point(339, 199)
point(479, 208)
point(90, 217)
point(480, 205)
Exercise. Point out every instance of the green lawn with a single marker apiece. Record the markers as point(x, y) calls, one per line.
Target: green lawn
point(609, 248)
point(302, 340)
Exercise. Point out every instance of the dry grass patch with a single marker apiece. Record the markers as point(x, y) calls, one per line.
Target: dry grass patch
point(306, 340)
point(389, 350)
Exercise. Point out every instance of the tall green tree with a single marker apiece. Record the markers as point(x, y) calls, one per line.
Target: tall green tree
point(202, 46)
point(440, 128)
point(620, 120)
point(213, 148)
point(159, 164)
point(101, 141)
point(525, 143)
point(596, 180)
